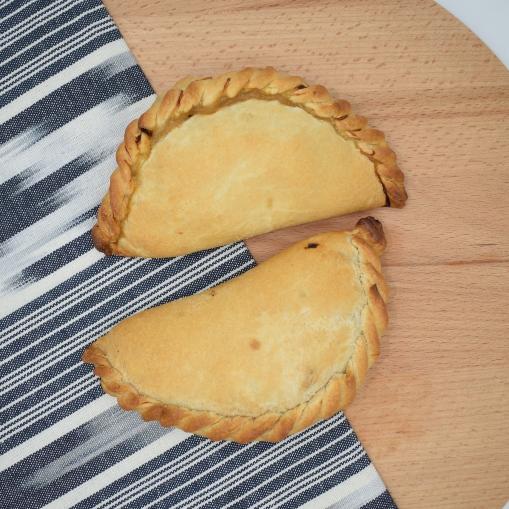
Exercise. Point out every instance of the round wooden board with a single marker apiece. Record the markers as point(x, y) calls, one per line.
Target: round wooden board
point(433, 414)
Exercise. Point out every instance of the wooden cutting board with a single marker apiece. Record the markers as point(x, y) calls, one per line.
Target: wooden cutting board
point(433, 414)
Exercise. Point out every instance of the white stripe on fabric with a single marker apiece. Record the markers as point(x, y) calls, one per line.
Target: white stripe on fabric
point(36, 20)
point(364, 494)
point(38, 388)
point(118, 470)
point(185, 461)
point(100, 435)
point(17, 299)
point(85, 39)
point(173, 469)
point(50, 55)
point(366, 477)
point(12, 14)
point(5, 3)
point(316, 475)
point(49, 405)
point(70, 298)
point(66, 75)
point(42, 362)
point(59, 429)
point(293, 465)
point(100, 131)
point(263, 460)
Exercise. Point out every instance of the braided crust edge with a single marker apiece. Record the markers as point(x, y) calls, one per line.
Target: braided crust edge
point(369, 240)
point(191, 92)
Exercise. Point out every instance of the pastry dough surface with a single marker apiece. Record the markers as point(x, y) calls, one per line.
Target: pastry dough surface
point(265, 341)
point(263, 355)
point(216, 160)
point(249, 168)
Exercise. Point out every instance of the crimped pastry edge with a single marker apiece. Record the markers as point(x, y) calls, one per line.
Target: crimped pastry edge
point(369, 240)
point(191, 92)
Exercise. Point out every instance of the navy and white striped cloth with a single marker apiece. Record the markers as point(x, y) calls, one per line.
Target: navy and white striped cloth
point(68, 88)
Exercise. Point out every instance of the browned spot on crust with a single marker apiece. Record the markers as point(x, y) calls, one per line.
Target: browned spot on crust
point(372, 232)
point(312, 245)
point(379, 309)
point(376, 293)
point(255, 344)
point(180, 98)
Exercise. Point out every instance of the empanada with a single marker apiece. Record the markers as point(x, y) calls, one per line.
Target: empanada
point(216, 160)
point(263, 355)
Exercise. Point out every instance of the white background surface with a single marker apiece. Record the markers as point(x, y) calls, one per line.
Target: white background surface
point(489, 20)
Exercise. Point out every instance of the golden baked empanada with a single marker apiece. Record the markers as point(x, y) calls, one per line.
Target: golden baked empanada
point(263, 355)
point(216, 160)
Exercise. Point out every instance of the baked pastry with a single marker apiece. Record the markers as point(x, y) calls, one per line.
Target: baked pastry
point(216, 160)
point(263, 355)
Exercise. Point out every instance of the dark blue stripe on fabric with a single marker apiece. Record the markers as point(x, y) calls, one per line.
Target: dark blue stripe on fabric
point(19, 17)
point(327, 484)
point(243, 454)
point(51, 25)
point(34, 493)
point(58, 66)
point(278, 481)
point(56, 259)
point(383, 501)
point(105, 424)
point(24, 208)
point(61, 289)
point(76, 97)
point(23, 403)
point(39, 425)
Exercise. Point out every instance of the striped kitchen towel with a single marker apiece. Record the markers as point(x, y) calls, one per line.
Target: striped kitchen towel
point(68, 88)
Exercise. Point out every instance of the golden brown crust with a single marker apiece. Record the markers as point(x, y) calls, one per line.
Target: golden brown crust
point(191, 92)
point(336, 394)
point(370, 230)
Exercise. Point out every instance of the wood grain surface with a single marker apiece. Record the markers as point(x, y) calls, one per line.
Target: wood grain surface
point(434, 412)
